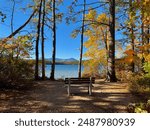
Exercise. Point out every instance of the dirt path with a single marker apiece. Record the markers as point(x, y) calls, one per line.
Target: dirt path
point(49, 96)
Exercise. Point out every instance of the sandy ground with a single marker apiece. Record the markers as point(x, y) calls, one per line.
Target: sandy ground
point(51, 97)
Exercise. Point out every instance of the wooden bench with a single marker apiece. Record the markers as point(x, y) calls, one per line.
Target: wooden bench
point(70, 81)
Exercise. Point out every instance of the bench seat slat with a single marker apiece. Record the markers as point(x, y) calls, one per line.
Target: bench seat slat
point(79, 80)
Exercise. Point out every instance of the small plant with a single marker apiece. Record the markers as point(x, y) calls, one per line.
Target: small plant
point(147, 69)
point(139, 107)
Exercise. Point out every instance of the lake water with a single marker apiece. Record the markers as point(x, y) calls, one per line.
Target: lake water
point(63, 71)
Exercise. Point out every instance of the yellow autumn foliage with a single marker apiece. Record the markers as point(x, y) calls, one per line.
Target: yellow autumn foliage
point(91, 15)
point(98, 35)
point(144, 6)
point(18, 47)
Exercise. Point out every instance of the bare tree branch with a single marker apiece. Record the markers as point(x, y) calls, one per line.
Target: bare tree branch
point(22, 26)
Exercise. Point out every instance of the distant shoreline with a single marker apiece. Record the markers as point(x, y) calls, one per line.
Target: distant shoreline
point(63, 63)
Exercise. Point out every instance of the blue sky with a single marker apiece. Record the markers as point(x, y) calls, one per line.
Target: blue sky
point(67, 47)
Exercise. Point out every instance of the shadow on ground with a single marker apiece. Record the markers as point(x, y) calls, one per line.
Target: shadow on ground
point(48, 96)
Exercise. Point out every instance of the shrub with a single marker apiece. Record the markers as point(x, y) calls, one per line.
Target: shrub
point(139, 83)
point(123, 75)
point(13, 72)
point(86, 74)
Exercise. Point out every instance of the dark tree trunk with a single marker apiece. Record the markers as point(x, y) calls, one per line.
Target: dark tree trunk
point(142, 33)
point(82, 40)
point(147, 36)
point(107, 53)
point(111, 55)
point(52, 77)
point(37, 42)
point(132, 36)
point(43, 40)
point(12, 25)
point(12, 16)
point(133, 48)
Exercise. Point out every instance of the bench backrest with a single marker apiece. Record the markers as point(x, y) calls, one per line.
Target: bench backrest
point(79, 80)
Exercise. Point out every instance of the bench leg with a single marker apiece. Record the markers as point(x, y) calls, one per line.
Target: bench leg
point(90, 86)
point(90, 89)
point(68, 90)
